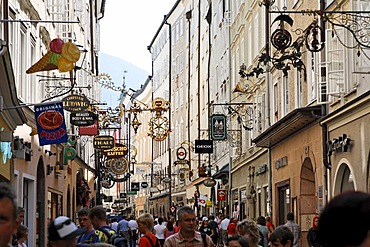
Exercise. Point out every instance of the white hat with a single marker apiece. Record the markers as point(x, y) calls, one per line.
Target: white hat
point(63, 228)
point(204, 219)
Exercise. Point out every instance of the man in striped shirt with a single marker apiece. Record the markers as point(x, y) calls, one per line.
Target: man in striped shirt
point(187, 236)
point(295, 228)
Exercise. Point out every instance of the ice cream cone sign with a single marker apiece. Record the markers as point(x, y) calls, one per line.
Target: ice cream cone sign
point(61, 56)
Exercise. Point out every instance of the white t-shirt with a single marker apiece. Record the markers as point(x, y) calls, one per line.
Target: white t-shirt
point(159, 231)
point(132, 224)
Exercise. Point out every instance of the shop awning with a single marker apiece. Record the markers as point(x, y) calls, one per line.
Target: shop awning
point(288, 125)
point(14, 114)
point(224, 171)
point(159, 196)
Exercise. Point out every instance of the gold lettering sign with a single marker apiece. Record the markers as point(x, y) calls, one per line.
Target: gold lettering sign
point(118, 151)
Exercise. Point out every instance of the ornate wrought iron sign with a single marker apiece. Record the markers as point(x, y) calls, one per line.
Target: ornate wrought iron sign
point(103, 142)
point(218, 127)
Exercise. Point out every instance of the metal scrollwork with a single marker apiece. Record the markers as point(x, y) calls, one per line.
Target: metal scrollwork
point(105, 81)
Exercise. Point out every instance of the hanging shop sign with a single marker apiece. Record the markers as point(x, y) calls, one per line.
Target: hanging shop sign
point(181, 153)
point(203, 146)
point(69, 153)
point(103, 142)
point(91, 130)
point(339, 144)
point(144, 185)
point(118, 151)
point(62, 56)
point(119, 167)
point(218, 127)
point(135, 186)
point(209, 182)
point(51, 126)
point(75, 103)
point(221, 195)
point(86, 118)
point(5, 149)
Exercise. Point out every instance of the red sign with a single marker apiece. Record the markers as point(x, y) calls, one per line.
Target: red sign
point(90, 130)
point(221, 195)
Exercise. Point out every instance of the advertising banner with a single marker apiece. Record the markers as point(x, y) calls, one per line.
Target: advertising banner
point(50, 123)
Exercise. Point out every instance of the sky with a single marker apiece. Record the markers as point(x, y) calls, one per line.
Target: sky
point(129, 26)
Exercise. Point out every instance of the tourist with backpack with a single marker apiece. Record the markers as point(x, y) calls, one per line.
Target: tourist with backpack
point(103, 232)
point(145, 224)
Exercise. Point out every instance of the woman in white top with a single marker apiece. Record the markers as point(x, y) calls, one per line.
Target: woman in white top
point(22, 235)
point(159, 231)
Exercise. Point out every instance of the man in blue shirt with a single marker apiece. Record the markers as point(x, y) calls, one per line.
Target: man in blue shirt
point(124, 229)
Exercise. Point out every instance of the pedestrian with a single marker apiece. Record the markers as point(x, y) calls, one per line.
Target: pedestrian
point(84, 222)
point(8, 214)
point(22, 235)
point(237, 241)
point(282, 236)
point(223, 229)
point(261, 224)
point(231, 228)
point(104, 233)
point(249, 230)
point(145, 223)
point(124, 229)
point(133, 228)
point(269, 225)
point(312, 233)
point(159, 230)
point(187, 236)
point(170, 230)
point(204, 227)
point(114, 224)
point(294, 227)
point(63, 232)
point(20, 219)
point(345, 221)
point(214, 227)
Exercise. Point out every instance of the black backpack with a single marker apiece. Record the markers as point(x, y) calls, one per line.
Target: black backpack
point(151, 241)
point(114, 238)
point(262, 240)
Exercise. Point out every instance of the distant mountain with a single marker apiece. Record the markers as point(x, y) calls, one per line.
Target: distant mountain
point(115, 67)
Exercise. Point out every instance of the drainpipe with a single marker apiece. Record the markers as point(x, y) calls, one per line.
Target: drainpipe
point(188, 17)
point(325, 133)
point(199, 33)
point(230, 208)
point(169, 115)
point(267, 96)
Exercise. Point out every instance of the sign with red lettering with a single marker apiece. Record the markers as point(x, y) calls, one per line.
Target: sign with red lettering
point(91, 130)
point(51, 126)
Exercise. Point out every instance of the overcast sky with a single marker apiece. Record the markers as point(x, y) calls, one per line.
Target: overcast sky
point(129, 26)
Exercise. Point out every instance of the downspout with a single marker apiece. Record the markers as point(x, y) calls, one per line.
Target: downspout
point(324, 127)
point(199, 26)
point(208, 17)
point(169, 115)
point(267, 107)
point(230, 207)
point(188, 17)
point(94, 57)
point(151, 168)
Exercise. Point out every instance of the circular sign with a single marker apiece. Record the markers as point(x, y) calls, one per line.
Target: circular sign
point(144, 185)
point(75, 103)
point(209, 182)
point(50, 120)
point(173, 209)
point(119, 167)
point(181, 153)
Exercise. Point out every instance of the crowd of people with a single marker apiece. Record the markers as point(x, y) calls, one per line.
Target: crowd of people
point(95, 229)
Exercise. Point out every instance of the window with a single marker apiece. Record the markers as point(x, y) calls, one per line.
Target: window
point(335, 63)
point(26, 200)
